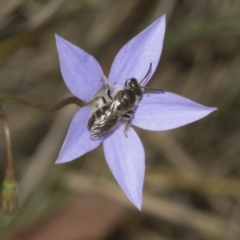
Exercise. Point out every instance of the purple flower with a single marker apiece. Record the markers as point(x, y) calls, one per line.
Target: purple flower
point(157, 112)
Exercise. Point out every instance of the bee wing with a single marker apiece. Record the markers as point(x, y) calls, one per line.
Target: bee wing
point(103, 124)
point(109, 119)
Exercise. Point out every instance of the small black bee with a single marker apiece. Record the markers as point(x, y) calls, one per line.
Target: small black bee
point(118, 108)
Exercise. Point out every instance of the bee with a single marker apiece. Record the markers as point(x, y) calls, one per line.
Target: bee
point(120, 107)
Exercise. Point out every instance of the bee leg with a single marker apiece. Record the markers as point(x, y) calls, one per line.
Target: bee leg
point(102, 99)
point(98, 102)
point(105, 80)
point(129, 117)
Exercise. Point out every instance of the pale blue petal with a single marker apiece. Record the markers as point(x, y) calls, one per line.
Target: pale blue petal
point(126, 159)
point(164, 111)
point(77, 141)
point(133, 60)
point(81, 72)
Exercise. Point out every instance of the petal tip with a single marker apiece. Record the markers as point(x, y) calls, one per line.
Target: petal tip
point(163, 17)
point(60, 43)
point(138, 206)
point(58, 162)
point(211, 109)
point(136, 200)
point(58, 38)
point(162, 20)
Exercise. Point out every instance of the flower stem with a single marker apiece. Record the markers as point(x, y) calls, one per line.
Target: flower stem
point(63, 103)
point(9, 197)
point(7, 136)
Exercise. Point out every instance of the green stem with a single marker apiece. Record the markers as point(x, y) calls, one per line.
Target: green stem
point(3, 117)
point(9, 197)
point(63, 103)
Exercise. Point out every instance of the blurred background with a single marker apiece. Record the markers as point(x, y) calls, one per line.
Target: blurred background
point(192, 185)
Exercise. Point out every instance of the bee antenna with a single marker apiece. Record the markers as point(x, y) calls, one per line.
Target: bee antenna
point(149, 70)
point(154, 90)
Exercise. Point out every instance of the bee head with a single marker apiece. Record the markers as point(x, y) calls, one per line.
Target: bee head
point(134, 85)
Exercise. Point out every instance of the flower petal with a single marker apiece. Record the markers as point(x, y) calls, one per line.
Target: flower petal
point(81, 72)
point(134, 59)
point(163, 111)
point(77, 141)
point(125, 157)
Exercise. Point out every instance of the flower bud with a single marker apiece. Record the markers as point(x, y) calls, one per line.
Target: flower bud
point(9, 197)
